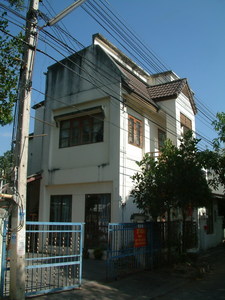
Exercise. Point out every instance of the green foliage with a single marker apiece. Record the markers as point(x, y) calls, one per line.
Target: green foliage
point(17, 3)
point(214, 161)
point(6, 166)
point(192, 188)
point(219, 126)
point(174, 180)
point(154, 186)
point(10, 62)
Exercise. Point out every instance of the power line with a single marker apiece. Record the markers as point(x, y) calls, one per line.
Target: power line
point(198, 134)
point(124, 26)
point(71, 49)
point(173, 133)
point(116, 98)
point(200, 110)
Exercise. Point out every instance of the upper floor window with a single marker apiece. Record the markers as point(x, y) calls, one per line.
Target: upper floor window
point(161, 139)
point(134, 131)
point(81, 130)
point(185, 123)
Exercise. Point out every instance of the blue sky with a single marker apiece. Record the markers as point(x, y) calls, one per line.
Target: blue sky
point(187, 36)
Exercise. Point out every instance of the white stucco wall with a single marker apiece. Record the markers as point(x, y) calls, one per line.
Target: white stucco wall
point(213, 239)
point(78, 192)
point(104, 167)
point(129, 154)
point(83, 169)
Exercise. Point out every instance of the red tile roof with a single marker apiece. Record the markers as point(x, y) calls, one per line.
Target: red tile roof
point(168, 89)
point(137, 86)
point(155, 93)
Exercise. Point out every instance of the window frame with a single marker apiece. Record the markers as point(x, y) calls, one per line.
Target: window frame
point(60, 211)
point(135, 131)
point(160, 142)
point(61, 201)
point(185, 123)
point(75, 135)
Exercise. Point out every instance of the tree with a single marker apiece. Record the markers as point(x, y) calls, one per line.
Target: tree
point(219, 126)
point(214, 161)
point(175, 180)
point(154, 186)
point(192, 188)
point(10, 63)
point(219, 155)
point(17, 3)
point(6, 166)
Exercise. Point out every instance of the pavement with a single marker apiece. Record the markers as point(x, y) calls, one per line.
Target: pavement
point(205, 280)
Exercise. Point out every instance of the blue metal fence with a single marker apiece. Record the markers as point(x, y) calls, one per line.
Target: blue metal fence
point(129, 248)
point(53, 258)
point(5, 262)
point(138, 246)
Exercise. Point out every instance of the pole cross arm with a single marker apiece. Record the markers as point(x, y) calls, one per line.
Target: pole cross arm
point(65, 12)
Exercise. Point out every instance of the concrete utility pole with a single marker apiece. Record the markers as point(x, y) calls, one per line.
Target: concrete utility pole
point(18, 237)
point(17, 262)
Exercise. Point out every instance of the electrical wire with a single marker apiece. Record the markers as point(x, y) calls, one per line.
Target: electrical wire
point(126, 27)
point(104, 16)
point(98, 87)
point(199, 134)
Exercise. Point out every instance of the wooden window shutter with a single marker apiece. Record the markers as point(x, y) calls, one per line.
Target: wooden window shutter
point(185, 121)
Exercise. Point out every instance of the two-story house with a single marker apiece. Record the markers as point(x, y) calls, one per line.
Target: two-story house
point(101, 113)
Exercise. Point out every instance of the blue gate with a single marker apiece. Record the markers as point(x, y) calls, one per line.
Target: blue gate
point(53, 257)
point(130, 248)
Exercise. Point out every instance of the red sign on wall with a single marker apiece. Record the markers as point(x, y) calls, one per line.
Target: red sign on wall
point(140, 237)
